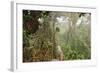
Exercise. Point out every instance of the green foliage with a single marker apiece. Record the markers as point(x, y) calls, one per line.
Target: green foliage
point(41, 44)
point(77, 44)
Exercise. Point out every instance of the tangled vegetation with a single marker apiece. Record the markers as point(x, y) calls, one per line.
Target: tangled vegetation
point(47, 34)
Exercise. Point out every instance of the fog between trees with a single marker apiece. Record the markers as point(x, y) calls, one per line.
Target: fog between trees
point(51, 35)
